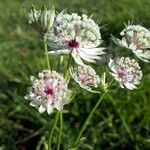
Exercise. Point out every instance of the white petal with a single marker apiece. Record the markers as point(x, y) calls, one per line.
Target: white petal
point(117, 41)
point(77, 58)
point(42, 109)
point(88, 88)
point(72, 73)
point(121, 84)
point(144, 55)
point(130, 86)
point(30, 96)
point(93, 51)
point(111, 65)
point(141, 56)
point(58, 52)
point(124, 42)
point(58, 105)
point(32, 78)
point(83, 56)
point(34, 103)
point(50, 108)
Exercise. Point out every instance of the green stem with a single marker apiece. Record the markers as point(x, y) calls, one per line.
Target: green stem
point(88, 119)
point(52, 130)
point(68, 64)
point(60, 130)
point(123, 120)
point(46, 52)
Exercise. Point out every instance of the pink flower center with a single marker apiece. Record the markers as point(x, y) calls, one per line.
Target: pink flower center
point(83, 79)
point(49, 90)
point(122, 73)
point(136, 42)
point(73, 44)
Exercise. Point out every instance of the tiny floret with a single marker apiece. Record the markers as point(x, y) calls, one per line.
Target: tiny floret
point(126, 71)
point(86, 77)
point(48, 91)
point(76, 35)
point(137, 39)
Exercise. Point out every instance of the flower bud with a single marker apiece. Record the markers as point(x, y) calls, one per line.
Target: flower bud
point(43, 19)
point(47, 18)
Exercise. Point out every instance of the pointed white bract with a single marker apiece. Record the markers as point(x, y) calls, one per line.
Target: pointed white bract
point(126, 71)
point(33, 16)
point(136, 38)
point(86, 77)
point(76, 35)
point(48, 91)
point(104, 84)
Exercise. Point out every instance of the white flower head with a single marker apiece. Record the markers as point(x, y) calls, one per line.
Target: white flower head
point(136, 38)
point(48, 91)
point(126, 71)
point(43, 19)
point(86, 77)
point(76, 35)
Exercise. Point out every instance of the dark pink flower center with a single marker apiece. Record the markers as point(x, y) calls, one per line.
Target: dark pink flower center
point(82, 78)
point(49, 90)
point(122, 73)
point(73, 44)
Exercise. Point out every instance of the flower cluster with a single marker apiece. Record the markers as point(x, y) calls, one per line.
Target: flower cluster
point(126, 71)
point(76, 35)
point(80, 37)
point(136, 38)
point(48, 91)
point(86, 77)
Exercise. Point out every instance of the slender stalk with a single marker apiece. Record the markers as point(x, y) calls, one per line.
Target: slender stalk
point(123, 121)
point(52, 130)
point(88, 119)
point(46, 52)
point(60, 130)
point(68, 65)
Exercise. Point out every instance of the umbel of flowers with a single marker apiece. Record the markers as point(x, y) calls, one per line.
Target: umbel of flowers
point(79, 37)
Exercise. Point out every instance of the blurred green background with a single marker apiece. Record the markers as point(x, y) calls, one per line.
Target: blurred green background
point(123, 123)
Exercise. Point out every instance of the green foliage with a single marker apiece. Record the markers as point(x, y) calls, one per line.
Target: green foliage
point(121, 122)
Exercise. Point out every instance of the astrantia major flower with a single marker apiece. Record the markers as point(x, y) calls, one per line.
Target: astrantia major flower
point(76, 35)
point(86, 77)
point(48, 91)
point(126, 71)
point(136, 38)
point(41, 19)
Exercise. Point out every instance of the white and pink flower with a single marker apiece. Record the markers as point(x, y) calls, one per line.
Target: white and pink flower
point(76, 35)
point(48, 91)
point(86, 77)
point(126, 71)
point(137, 39)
